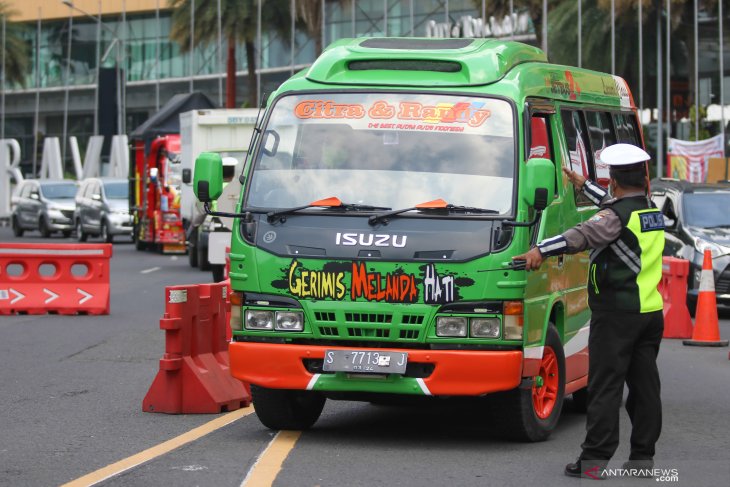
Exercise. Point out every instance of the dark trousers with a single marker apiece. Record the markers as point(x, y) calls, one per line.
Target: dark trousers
point(623, 347)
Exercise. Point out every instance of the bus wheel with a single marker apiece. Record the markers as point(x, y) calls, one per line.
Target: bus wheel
point(282, 409)
point(531, 414)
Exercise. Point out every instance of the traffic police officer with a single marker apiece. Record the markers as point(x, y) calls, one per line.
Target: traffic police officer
point(627, 239)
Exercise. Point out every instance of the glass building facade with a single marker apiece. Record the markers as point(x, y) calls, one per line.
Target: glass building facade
point(149, 54)
point(155, 67)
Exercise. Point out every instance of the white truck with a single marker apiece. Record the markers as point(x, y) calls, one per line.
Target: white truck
point(228, 132)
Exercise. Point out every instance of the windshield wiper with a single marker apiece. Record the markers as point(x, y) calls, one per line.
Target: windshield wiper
point(438, 204)
point(724, 225)
point(331, 202)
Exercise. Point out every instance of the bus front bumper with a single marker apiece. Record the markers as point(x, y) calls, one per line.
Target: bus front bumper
point(454, 373)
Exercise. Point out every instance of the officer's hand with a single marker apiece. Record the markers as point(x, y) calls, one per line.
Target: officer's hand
point(576, 179)
point(533, 259)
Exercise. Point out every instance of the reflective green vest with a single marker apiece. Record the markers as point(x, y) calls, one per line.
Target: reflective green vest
point(624, 275)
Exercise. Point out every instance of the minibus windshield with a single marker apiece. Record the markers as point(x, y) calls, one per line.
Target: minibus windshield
point(386, 150)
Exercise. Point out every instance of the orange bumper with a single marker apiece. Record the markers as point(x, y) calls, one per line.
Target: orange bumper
point(455, 373)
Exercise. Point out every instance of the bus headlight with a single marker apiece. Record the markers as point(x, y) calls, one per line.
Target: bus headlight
point(451, 326)
point(289, 320)
point(259, 320)
point(485, 327)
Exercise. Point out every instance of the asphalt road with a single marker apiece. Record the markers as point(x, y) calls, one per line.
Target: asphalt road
point(72, 389)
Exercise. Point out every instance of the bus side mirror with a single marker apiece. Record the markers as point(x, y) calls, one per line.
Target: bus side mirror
point(539, 187)
point(208, 184)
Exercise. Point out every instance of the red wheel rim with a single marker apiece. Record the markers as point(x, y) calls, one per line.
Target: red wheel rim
point(545, 388)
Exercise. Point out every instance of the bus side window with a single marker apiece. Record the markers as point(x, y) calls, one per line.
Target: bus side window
point(601, 135)
point(626, 131)
point(540, 140)
point(578, 148)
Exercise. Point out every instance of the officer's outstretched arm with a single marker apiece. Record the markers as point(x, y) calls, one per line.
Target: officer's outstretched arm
point(533, 259)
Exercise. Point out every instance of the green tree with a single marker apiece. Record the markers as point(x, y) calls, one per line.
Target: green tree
point(309, 13)
point(238, 25)
point(15, 57)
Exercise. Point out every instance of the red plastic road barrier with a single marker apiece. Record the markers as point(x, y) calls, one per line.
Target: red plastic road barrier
point(66, 279)
point(194, 375)
point(707, 326)
point(673, 288)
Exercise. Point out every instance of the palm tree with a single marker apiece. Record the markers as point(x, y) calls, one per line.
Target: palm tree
point(15, 57)
point(238, 25)
point(310, 13)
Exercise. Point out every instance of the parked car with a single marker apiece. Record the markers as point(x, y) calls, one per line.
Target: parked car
point(102, 209)
point(697, 217)
point(46, 205)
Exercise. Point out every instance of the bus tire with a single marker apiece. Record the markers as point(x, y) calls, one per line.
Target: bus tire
point(283, 409)
point(531, 414)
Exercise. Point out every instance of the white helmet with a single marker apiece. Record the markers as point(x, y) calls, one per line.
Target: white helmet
point(623, 155)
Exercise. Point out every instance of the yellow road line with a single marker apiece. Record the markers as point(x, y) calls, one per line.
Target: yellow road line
point(267, 467)
point(104, 473)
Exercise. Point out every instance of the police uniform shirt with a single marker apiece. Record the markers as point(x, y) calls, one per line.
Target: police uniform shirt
point(599, 231)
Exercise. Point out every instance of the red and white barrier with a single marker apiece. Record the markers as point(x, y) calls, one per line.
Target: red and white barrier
point(66, 279)
point(194, 374)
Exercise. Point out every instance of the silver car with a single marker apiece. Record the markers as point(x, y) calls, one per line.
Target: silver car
point(46, 205)
point(102, 209)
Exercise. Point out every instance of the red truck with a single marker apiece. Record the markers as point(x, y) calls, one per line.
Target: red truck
point(155, 176)
point(156, 206)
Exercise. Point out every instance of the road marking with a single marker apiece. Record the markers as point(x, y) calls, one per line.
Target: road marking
point(151, 269)
point(128, 463)
point(268, 465)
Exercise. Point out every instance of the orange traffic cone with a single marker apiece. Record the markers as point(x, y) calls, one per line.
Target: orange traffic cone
point(707, 328)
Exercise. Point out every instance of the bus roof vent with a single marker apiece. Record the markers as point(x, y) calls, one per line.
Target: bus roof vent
point(405, 65)
point(420, 62)
point(416, 44)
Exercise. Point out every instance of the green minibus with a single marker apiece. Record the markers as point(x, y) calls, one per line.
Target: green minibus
point(388, 187)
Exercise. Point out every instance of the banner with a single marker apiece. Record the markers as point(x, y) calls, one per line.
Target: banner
point(688, 160)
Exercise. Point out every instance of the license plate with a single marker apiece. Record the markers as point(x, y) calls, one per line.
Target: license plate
point(365, 361)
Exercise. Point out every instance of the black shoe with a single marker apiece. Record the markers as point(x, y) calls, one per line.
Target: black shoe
point(587, 469)
point(573, 469)
point(641, 468)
